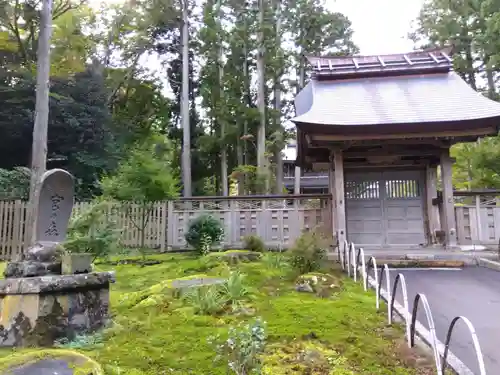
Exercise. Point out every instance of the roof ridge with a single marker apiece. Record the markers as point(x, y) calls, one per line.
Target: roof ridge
point(429, 60)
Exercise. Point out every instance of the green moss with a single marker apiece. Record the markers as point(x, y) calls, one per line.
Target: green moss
point(304, 357)
point(163, 335)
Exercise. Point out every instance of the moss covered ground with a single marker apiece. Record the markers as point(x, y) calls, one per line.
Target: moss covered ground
point(338, 335)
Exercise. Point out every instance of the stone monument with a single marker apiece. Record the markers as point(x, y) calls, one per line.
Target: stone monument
point(38, 305)
point(54, 212)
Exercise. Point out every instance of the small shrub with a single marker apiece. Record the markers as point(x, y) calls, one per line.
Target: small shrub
point(203, 233)
point(254, 243)
point(243, 348)
point(205, 300)
point(309, 252)
point(93, 232)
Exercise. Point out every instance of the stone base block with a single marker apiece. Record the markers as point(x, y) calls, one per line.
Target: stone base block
point(31, 269)
point(36, 311)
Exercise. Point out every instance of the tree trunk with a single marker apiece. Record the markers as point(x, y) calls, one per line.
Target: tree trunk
point(239, 156)
point(186, 136)
point(248, 101)
point(491, 80)
point(223, 156)
point(39, 147)
point(277, 104)
point(261, 103)
point(470, 65)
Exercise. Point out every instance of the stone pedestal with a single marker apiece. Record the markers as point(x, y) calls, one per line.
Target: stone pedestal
point(36, 311)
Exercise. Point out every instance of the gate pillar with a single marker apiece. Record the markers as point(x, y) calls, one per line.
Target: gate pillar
point(339, 196)
point(449, 223)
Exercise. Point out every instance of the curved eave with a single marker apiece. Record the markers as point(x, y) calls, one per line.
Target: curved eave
point(420, 99)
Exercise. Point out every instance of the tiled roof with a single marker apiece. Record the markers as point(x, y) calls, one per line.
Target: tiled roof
point(393, 100)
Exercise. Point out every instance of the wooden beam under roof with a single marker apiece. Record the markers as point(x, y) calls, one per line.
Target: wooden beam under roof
point(432, 135)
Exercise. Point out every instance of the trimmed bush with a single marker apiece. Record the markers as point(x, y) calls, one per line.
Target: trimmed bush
point(204, 232)
point(254, 243)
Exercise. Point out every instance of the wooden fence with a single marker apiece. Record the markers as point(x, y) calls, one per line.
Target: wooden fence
point(278, 220)
point(478, 218)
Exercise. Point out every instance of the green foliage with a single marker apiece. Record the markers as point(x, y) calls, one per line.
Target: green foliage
point(15, 183)
point(79, 138)
point(146, 175)
point(98, 111)
point(82, 342)
point(308, 252)
point(93, 231)
point(254, 182)
point(243, 349)
point(203, 232)
point(254, 243)
point(214, 299)
point(477, 164)
point(206, 300)
point(234, 290)
point(276, 260)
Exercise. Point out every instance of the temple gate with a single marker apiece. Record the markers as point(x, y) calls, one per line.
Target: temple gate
point(381, 126)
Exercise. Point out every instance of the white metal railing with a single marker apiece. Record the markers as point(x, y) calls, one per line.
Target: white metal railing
point(353, 262)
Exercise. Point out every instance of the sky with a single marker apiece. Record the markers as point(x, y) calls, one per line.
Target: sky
point(380, 26)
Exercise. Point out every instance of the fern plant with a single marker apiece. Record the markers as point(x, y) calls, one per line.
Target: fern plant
point(205, 300)
point(234, 290)
point(276, 260)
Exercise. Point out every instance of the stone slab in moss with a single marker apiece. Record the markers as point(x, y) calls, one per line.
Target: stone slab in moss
point(55, 283)
point(50, 362)
point(320, 283)
point(44, 367)
point(159, 292)
point(234, 256)
point(202, 281)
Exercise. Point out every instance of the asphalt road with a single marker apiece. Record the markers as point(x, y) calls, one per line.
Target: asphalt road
point(473, 292)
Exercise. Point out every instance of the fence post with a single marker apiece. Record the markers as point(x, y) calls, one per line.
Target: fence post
point(479, 230)
point(17, 237)
point(164, 226)
point(170, 225)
